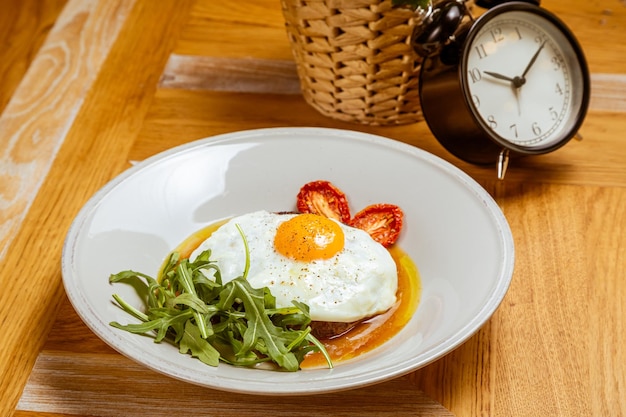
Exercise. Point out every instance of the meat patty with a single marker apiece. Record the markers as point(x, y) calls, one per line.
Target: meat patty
point(329, 329)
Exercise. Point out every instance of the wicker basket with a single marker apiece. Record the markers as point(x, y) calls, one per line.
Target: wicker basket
point(355, 60)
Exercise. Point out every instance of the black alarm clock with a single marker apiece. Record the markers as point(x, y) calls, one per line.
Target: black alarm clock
point(511, 82)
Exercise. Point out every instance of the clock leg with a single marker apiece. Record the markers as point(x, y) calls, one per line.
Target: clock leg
point(503, 163)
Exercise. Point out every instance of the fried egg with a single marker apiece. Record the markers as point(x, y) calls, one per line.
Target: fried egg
point(340, 272)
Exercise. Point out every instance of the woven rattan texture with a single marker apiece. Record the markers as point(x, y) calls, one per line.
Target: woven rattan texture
point(355, 59)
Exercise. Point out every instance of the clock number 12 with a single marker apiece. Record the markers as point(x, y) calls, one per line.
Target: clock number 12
point(496, 34)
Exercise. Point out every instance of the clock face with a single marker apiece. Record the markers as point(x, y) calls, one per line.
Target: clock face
point(525, 79)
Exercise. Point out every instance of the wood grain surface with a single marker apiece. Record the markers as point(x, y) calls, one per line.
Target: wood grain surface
point(23, 28)
point(87, 86)
point(114, 381)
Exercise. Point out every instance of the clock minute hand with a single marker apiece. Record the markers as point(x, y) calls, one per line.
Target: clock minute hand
point(532, 60)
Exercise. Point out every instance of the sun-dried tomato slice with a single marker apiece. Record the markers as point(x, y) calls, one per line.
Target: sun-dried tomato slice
point(383, 222)
point(322, 197)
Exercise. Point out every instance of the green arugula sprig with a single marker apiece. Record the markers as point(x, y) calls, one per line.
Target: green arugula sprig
point(233, 322)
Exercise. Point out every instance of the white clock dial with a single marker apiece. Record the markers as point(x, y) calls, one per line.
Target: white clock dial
point(522, 79)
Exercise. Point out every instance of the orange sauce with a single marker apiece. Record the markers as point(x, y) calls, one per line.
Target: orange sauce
point(364, 336)
point(186, 248)
point(373, 332)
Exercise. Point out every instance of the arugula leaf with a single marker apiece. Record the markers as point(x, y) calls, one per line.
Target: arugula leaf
point(261, 334)
point(232, 323)
point(192, 341)
point(185, 276)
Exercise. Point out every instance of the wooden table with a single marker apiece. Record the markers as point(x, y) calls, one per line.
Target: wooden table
point(87, 86)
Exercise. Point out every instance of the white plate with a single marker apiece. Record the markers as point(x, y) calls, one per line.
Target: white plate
point(454, 231)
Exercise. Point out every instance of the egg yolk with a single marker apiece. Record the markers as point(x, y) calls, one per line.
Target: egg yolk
point(307, 237)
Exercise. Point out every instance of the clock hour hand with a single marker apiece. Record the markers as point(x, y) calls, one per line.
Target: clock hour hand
point(498, 76)
point(516, 82)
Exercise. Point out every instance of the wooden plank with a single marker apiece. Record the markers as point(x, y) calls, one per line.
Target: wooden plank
point(252, 75)
point(70, 334)
point(543, 323)
point(599, 27)
point(74, 365)
point(608, 92)
point(178, 116)
point(561, 323)
point(60, 382)
point(606, 257)
point(43, 107)
point(247, 75)
point(104, 118)
point(236, 30)
point(463, 379)
point(24, 26)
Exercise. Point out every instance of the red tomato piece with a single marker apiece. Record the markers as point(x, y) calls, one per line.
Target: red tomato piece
point(322, 197)
point(383, 222)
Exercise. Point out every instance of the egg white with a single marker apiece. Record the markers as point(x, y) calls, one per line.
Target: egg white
point(358, 282)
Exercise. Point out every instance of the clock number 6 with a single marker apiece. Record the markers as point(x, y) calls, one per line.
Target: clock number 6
point(536, 129)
